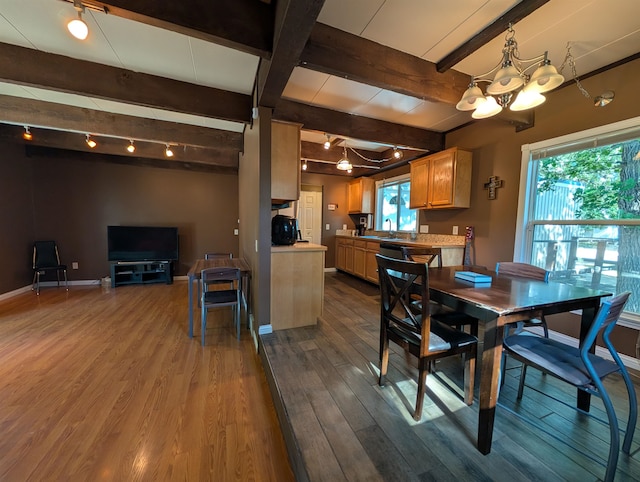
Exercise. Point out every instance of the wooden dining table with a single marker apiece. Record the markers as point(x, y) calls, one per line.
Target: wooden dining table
point(508, 300)
point(195, 273)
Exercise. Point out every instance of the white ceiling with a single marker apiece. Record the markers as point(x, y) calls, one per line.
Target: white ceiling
point(599, 31)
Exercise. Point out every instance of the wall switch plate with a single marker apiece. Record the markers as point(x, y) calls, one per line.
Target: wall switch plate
point(74, 265)
point(328, 227)
point(235, 231)
point(455, 230)
point(424, 228)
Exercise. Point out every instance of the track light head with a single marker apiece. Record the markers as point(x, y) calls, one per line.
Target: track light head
point(27, 135)
point(90, 142)
point(131, 148)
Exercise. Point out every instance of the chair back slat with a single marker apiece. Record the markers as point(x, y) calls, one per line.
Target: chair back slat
point(421, 254)
point(217, 255)
point(398, 279)
point(210, 275)
point(522, 270)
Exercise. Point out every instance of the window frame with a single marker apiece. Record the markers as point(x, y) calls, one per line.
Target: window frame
point(598, 136)
point(397, 180)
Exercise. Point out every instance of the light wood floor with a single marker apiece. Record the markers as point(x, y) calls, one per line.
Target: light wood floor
point(101, 384)
point(340, 425)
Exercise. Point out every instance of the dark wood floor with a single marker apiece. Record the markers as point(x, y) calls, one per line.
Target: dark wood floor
point(340, 425)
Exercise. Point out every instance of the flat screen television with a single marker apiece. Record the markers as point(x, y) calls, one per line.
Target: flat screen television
point(142, 243)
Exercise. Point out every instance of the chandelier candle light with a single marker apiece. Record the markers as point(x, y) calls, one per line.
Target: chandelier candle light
point(511, 75)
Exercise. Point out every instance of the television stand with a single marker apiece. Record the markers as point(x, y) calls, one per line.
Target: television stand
point(140, 272)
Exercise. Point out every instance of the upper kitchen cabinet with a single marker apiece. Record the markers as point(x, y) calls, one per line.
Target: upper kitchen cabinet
point(285, 161)
point(441, 180)
point(360, 195)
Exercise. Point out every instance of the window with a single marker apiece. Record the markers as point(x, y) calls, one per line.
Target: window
point(392, 205)
point(580, 209)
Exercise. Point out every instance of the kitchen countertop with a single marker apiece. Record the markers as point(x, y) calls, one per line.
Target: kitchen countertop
point(432, 240)
point(298, 247)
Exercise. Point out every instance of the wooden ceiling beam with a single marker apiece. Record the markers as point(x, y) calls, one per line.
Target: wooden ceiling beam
point(294, 21)
point(73, 141)
point(51, 154)
point(245, 25)
point(36, 113)
point(24, 66)
point(345, 55)
point(358, 127)
point(500, 25)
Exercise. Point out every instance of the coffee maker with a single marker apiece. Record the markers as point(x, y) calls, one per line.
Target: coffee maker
point(360, 229)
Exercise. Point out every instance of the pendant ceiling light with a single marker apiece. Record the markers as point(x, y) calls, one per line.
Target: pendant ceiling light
point(511, 74)
point(77, 26)
point(344, 164)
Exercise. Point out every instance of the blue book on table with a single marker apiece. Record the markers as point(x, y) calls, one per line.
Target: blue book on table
point(472, 277)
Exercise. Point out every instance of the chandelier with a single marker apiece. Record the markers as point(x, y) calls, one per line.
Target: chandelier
point(511, 75)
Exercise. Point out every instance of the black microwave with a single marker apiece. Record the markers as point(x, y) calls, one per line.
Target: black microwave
point(284, 230)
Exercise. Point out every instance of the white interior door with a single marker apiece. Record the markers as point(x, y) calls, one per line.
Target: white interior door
point(310, 216)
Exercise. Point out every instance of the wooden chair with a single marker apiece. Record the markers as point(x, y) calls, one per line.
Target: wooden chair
point(215, 297)
point(583, 370)
point(46, 259)
point(529, 271)
point(419, 334)
point(432, 257)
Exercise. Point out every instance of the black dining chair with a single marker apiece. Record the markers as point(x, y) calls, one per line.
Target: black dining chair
point(584, 370)
point(46, 258)
point(214, 296)
point(432, 257)
point(419, 334)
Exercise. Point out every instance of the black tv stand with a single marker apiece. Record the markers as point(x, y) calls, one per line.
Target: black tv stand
point(140, 272)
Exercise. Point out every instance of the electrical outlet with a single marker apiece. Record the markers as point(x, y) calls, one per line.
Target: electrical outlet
point(235, 231)
point(424, 228)
point(74, 265)
point(455, 230)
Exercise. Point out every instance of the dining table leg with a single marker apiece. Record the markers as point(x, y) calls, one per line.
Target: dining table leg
point(489, 382)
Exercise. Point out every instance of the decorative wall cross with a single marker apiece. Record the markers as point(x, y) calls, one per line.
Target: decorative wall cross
point(492, 185)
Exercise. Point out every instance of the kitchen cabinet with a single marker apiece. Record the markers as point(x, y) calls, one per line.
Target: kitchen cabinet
point(360, 195)
point(285, 161)
point(441, 180)
point(359, 258)
point(297, 285)
point(344, 254)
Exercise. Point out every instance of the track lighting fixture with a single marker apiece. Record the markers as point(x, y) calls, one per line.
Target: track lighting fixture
point(77, 27)
point(131, 148)
point(397, 154)
point(26, 135)
point(90, 142)
point(168, 152)
point(327, 143)
point(304, 165)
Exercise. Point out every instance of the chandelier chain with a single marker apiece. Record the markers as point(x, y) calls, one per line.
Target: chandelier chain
point(570, 60)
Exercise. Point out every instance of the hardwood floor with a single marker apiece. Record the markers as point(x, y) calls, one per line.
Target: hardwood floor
point(340, 425)
point(101, 384)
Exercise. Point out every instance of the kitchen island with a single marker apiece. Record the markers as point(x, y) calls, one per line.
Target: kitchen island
point(297, 285)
